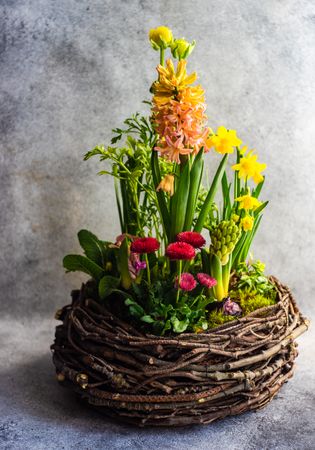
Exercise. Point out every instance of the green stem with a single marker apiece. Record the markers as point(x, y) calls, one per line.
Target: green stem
point(162, 51)
point(180, 266)
point(148, 269)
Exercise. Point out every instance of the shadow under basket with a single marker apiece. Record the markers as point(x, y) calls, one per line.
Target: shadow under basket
point(179, 380)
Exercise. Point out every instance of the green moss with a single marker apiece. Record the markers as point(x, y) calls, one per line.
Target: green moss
point(217, 318)
point(250, 300)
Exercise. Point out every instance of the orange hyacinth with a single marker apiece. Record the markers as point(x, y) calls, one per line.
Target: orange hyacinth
point(179, 113)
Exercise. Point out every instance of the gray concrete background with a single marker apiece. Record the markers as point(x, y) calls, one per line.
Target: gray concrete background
point(70, 72)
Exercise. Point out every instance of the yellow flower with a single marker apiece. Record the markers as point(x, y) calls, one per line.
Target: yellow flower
point(249, 167)
point(160, 37)
point(167, 185)
point(224, 140)
point(181, 48)
point(247, 223)
point(170, 83)
point(248, 202)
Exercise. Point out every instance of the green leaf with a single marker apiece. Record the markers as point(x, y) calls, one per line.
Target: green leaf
point(107, 286)
point(122, 261)
point(73, 263)
point(156, 175)
point(93, 247)
point(258, 189)
point(180, 202)
point(195, 181)
point(212, 191)
point(260, 208)
point(179, 325)
point(226, 197)
point(147, 319)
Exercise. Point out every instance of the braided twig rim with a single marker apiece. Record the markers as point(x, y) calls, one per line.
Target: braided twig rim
point(177, 380)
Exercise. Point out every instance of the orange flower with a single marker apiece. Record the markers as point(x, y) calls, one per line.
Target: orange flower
point(171, 82)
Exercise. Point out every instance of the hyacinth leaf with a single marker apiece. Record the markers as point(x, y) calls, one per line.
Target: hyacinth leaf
point(79, 263)
point(195, 181)
point(180, 202)
point(93, 247)
point(212, 191)
point(160, 194)
point(238, 249)
point(257, 190)
point(122, 261)
point(107, 285)
point(226, 187)
point(226, 271)
point(205, 259)
point(216, 272)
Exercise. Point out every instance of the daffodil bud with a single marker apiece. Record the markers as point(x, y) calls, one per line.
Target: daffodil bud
point(160, 37)
point(181, 48)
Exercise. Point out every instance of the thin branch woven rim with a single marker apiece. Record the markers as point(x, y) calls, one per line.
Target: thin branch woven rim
point(183, 380)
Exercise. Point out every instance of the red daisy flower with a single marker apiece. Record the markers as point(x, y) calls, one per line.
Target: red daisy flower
point(180, 250)
point(191, 237)
point(145, 245)
point(187, 282)
point(206, 280)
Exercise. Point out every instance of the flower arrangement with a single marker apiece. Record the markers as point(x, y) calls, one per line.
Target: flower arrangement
point(177, 324)
point(160, 273)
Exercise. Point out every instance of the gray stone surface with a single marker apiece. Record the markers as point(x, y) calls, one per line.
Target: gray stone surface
point(72, 70)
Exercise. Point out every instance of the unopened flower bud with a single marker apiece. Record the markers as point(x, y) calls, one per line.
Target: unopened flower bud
point(181, 48)
point(160, 37)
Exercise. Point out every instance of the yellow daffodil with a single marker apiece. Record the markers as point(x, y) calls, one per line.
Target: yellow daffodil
point(171, 82)
point(160, 37)
point(247, 223)
point(224, 140)
point(249, 167)
point(248, 202)
point(167, 185)
point(181, 48)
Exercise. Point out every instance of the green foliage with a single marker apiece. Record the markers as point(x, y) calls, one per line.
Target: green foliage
point(93, 248)
point(159, 314)
point(107, 286)
point(251, 278)
point(78, 263)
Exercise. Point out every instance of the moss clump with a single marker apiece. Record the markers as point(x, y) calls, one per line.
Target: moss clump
point(249, 300)
point(217, 317)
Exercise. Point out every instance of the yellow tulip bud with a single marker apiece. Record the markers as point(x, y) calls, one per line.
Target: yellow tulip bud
point(167, 185)
point(181, 48)
point(160, 37)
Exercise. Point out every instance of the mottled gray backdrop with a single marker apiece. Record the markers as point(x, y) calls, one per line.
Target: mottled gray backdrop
point(73, 70)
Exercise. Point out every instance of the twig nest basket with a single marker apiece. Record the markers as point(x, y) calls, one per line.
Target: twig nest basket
point(179, 380)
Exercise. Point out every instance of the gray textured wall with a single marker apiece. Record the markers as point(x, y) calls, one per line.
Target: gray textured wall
point(72, 70)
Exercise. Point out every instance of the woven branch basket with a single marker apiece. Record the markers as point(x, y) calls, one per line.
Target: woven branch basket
point(172, 381)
